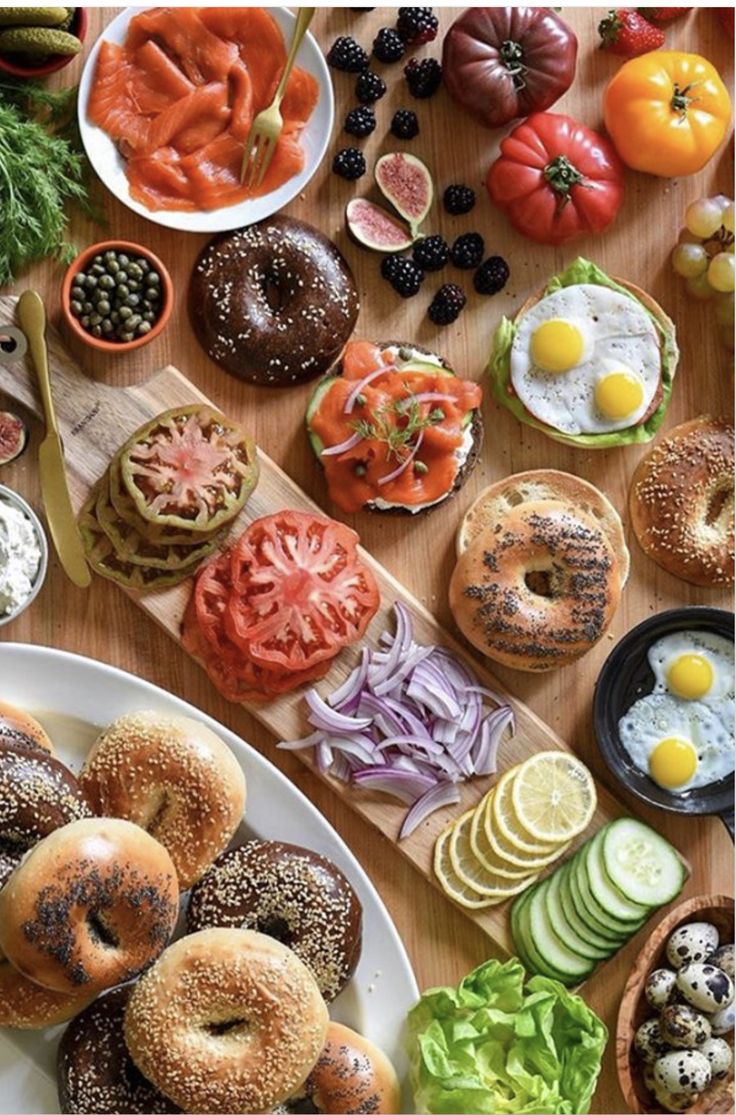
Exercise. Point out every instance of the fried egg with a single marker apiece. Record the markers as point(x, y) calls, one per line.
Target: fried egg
point(679, 744)
point(693, 665)
point(586, 360)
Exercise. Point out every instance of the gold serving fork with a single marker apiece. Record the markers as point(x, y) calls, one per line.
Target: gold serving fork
point(266, 128)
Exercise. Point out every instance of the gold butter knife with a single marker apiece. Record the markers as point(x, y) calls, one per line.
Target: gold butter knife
point(54, 489)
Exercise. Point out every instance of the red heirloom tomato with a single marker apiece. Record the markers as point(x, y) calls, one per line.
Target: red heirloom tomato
point(503, 63)
point(556, 179)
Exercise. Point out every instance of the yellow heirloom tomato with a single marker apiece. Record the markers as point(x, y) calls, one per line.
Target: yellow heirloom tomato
point(667, 112)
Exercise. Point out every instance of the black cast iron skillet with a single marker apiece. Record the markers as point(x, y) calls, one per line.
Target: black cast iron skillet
point(626, 676)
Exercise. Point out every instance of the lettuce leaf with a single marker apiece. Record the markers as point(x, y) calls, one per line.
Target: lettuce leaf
point(581, 271)
point(495, 1045)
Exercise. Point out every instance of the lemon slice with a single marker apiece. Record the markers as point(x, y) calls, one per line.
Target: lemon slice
point(471, 871)
point(451, 884)
point(553, 796)
point(509, 824)
point(484, 851)
point(510, 854)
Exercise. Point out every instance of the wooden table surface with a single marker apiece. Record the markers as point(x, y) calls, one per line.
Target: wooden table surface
point(104, 624)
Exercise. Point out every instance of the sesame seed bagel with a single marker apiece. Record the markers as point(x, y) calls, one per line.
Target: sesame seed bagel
point(95, 1074)
point(22, 730)
point(25, 1005)
point(351, 1077)
point(175, 778)
point(294, 895)
point(681, 502)
point(495, 502)
point(38, 795)
point(540, 589)
point(274, 303)
point(226, 1020)
point(90, 906)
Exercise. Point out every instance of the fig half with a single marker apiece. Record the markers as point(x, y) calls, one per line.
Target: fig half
point(405, 181)
point(374, 227)
point(13, 436)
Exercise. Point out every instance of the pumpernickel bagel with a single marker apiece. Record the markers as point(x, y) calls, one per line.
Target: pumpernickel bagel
point(274, 303)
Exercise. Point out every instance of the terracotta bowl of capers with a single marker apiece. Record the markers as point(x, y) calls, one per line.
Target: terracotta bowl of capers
point(116, 296)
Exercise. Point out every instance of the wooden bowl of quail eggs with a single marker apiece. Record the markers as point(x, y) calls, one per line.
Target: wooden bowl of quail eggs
point(674, 1039)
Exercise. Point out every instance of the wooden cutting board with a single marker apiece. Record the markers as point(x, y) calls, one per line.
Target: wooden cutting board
point(95, 419)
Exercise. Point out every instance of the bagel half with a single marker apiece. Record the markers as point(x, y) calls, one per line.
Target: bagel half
point(583, 271)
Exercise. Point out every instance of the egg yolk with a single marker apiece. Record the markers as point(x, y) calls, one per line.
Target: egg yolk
point(690, 676)
point(618, 394)
point(673, 763)
point(557, 345)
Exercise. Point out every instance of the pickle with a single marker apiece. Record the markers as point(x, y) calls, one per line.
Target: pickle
point(33, 17)
point(38, 41)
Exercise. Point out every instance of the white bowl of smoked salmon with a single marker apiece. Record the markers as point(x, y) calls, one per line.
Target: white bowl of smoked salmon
point(166, 101)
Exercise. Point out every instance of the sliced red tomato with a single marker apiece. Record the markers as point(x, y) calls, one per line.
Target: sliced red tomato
point(300, 591)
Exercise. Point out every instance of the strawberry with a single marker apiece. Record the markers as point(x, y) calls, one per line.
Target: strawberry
point(663, 15)
point(626, 32)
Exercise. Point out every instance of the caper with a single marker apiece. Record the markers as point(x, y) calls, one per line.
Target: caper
point(125, 312)
point(85, 320)
point(90, 282)
point(360, 470)
point(121, 277)
point(154, 279)
point(106, 282)
point(95, 319)
point(87, 306)
point(134, 270)
point(134, 299)
point(113, 266)
point(97, 269)
point(76, 308)
point(103, 307)
point(79, 278)
point(97, 259)
point(152, 294)
point(133, 322)
point(405, 353)
point(133, 284)
point(107, 326)
point(123, 290)
point(127, 337)
point(143, 328)
point(96, 331)
point(123, 260)
point(148, 316)
point(421, 468)
point(143, 264)
point(110, 255)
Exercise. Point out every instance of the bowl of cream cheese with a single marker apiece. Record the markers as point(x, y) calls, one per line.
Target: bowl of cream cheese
point(24, 554)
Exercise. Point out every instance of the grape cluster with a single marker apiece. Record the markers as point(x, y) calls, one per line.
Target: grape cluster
point(705, 257)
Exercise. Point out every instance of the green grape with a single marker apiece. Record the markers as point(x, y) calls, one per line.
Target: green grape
point(689, 260)
point(699, 287)
point(727, 217)
point(721, 273)
point(704, 217)
point(724, 309)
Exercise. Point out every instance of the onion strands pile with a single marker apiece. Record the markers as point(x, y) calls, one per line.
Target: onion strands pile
point(410, 721)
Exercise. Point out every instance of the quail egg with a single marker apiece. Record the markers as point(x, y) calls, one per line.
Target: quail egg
point(719, 1054)
point(683, 1070)
point(692, 943)
point(683, 1027)
point(723, 958)
point(660, 987)
point(648, 1041)
point(723, 1021)
point(705, 987)
point(673, 1101)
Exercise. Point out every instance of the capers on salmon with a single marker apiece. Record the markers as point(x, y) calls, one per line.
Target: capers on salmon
point(117, 297)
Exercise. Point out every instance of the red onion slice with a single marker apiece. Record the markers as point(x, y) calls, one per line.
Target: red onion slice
point(344, 446)
point(329, 719)
point(444, 793)
point(405, 463)
point(363, 383)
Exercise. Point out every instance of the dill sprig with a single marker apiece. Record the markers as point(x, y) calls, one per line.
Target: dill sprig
point(397, 426)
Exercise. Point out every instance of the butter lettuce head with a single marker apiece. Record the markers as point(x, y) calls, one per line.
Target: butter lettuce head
point(582, 271)
point(496, 1045)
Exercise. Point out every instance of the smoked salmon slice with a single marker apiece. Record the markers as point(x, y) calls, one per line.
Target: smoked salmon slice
point(179, 99)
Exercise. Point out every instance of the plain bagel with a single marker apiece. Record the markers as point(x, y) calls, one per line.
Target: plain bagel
point(25, 1005)
point(681, 502)
point(274, 303)
point(226, 1020)
point(540, 590)
point(175, 778)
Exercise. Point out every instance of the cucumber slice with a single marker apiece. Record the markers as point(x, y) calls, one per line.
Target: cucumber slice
point(571, 967)
point(535, 962)
point(580, 918)
point(558, 913)
point(644, 867)
point(594, 910)
point(606, 893)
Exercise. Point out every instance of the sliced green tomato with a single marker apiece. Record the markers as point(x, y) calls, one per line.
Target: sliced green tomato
point(132, 546)
point(641, 864)
point(561, 924)
point(597, 913)
point(189, 468)
point(555, 953)
point(605, 891)
point(103, 559)
point(126, 510)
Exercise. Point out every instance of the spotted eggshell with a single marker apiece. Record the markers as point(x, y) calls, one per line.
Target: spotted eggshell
point(723, 1021)
point(683, 1027)
point(683, 1070)
point(719, 1054)
point(705, 987)
point(692, 943)
point(660, 987)
point(648, 1041)
point(723, 958)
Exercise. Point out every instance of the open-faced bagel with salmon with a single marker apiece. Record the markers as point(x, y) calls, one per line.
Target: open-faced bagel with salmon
point(589, 360)
point(394, 428)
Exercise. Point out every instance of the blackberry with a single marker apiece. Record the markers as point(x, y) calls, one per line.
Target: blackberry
point(347, 55)
point(431, 253)
point(349, 163)
point(404, 124)
point(403, 275)
point(446, 305)
point(360, 122)
point(369, 87)
point(417, 25)
point(388, 45)
point(459, 199)
point(423, 78)
point(467, 251)
point(491, 276)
